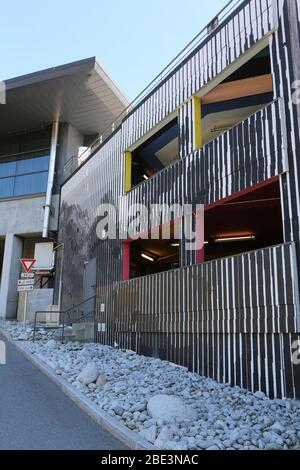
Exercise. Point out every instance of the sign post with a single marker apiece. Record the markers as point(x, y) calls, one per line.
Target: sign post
point(26, 283)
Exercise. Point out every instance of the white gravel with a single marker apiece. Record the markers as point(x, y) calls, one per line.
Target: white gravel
point(217, 416)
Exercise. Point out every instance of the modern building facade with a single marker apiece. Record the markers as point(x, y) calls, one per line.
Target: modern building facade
point(45, 120)
point(219, 128)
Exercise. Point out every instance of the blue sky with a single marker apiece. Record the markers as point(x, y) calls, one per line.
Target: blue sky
point(133, 39)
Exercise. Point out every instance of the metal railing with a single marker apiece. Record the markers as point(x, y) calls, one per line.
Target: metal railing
point(76, 314)
point(72, 315)
point(223, 14)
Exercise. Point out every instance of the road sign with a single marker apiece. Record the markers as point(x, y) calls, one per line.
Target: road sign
point(25, 288)
point(28, 264)
point(27, 275)
point(25, 282)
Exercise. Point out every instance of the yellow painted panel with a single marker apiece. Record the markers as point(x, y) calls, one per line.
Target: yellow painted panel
point(197, 123)
point(128, 164)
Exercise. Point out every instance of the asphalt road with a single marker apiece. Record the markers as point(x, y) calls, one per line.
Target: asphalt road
point(36, 415)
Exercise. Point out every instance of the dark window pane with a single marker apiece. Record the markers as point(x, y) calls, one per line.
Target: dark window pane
point(32, 165)
point(30, 184)
point(6, 187)
point(7, 169)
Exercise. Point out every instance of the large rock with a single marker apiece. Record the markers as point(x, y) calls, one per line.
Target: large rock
point(51, 344)
point(205, 444)
point(89, 374)
point(164, 436)
point(260, 395)
point(140, 406)
point(169, 407)
point(23, 336)
point(149, 434)
point(102, 380)
point(117, 408)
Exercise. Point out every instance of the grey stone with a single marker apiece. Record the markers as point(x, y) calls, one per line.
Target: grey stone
point(117, 408)
point(234, 435)
point(140, 406)
point(92, 386)
point(169, 407)
point(89, 374)
point(51, 344)
point(268, 421)
point(273, 437)
point(205, 444)
point(164, 436)
point(101, 380)
point(174, 445)
point(23, 336)
point(260, 395)
point(273, 446)
point(278, 428)
point(149, 434)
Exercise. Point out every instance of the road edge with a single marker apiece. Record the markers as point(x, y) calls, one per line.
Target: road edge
point(119, 431)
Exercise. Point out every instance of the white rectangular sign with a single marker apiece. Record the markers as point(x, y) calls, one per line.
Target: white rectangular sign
point(25, 288)
point(101, 327)
point(27, 275)
point(25, 282)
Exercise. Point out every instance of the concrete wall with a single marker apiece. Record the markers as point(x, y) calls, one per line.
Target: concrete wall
point(25, 215)
point(10, 274)
point(37, 300)
point(70, 140)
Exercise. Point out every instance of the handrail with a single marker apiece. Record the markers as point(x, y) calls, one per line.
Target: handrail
point(62, 313)
point(188, 49)
point(82, 318)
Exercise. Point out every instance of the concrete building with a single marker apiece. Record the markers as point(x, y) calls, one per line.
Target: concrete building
point(220, 128)
point(49, 117)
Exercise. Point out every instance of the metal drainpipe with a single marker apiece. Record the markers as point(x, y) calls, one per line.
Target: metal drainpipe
point(47, 209)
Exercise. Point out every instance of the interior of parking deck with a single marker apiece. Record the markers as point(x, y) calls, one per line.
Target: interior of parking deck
point(249, 220)
point(239, 96)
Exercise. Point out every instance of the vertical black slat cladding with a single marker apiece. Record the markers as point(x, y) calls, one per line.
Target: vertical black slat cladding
point(247, 289)
point(277, 360)
point(288, 366)
point(262, 360)
point(245, 361)
point(191, 315)
point(238, 361)
point(204, 323)
point(255, 361)
point(289, 287)
point(247, 153)
point(238, 162)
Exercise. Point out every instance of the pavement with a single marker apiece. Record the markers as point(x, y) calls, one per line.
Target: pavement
point(36, 415)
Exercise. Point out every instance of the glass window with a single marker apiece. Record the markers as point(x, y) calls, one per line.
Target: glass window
point(24, 176)
point(7, 187)
point(32, 165)
point(7, 169)
point(30, 184)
